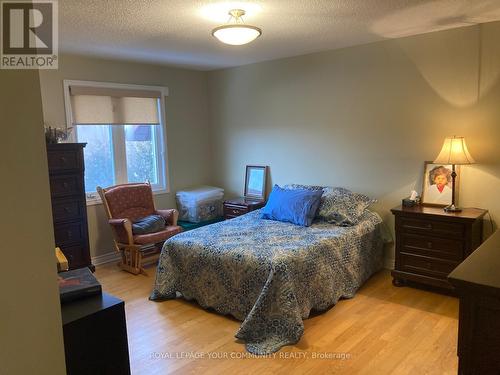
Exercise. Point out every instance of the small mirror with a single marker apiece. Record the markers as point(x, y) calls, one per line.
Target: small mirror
point(255, 182)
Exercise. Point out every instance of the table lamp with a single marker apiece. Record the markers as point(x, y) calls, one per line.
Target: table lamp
point(454, 152)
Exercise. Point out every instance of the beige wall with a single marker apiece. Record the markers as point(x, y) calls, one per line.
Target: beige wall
point(365, 117)
point(30, 316)
point(186, 120)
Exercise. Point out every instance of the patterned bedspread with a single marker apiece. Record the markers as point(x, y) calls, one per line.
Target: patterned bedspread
point(269, 274)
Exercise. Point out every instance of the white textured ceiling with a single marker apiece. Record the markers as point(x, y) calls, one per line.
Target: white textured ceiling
point(177, 32)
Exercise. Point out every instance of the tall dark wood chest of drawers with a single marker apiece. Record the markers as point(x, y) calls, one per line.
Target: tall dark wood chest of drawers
point(69, 210)
point(430, 243)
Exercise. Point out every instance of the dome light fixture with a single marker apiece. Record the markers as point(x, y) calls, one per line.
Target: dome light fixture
point(235, 32)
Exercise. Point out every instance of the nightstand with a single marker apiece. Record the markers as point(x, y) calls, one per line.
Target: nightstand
point(430, 243)
point(240, 206)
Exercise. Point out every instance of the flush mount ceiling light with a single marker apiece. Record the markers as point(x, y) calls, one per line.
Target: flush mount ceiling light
point(236, 32)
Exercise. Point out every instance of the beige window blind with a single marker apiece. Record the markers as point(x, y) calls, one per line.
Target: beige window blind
point(112, 106)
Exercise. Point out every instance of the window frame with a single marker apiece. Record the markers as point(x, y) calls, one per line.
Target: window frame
point(160, 141)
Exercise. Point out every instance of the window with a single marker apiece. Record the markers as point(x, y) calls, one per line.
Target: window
point(123, 128)
point(99, 156)
point(106, 145)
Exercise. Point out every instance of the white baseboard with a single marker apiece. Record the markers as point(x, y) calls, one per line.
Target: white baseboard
point(113, 256)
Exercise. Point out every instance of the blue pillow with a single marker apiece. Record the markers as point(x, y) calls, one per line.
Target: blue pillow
point(297, 206)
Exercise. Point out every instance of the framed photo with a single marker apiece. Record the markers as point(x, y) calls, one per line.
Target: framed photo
point(437, 186)
point(255, 182)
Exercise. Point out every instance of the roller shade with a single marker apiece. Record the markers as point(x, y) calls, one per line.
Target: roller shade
point(110, 106)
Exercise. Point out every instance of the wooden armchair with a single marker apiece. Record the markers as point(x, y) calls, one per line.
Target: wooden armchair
point(123, 205)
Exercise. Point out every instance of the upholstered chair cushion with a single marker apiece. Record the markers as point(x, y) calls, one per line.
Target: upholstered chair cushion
point(131, 201)
point(169, 231)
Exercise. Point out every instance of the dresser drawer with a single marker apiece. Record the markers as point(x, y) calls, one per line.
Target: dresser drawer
point(76, 255)
point(63, 160)
point(65, 185)
point(426, 266)
point(63, 210)
point(70, 232)
point(234, 211)
point(430, 243)
point(432, 227)
point(435, 247)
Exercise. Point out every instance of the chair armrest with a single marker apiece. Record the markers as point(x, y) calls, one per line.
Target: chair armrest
point(170, 215)
point(122, 230)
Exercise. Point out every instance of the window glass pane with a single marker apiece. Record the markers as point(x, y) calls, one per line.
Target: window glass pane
point(140, 147)
point(99, 166)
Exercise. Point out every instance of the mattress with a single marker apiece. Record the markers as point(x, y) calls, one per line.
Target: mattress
point(269, 274)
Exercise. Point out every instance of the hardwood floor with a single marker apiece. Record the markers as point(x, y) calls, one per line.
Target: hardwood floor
point(382, 330)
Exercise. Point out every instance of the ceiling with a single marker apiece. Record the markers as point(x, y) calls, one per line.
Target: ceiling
point(177, 32)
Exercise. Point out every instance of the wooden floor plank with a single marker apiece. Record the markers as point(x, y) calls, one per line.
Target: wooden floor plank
point(382, 330)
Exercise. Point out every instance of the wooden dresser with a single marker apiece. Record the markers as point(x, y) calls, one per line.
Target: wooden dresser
point(430, 243)
point(477, 283)
point(240, 206)
point(69, 209)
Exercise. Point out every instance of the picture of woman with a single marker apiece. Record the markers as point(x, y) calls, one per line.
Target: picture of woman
point(437, 189)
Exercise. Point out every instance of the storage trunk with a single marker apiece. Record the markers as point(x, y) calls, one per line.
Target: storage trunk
point(200, 204)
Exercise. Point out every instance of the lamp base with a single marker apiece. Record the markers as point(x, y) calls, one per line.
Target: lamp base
point(452, 208)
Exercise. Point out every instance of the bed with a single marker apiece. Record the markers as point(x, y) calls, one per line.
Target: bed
point(269, 274)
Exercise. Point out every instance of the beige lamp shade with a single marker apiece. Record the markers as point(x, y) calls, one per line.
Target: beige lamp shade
point(454, 151)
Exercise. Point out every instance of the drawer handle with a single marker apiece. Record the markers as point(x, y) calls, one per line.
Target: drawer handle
point(429, 226)
point(62, 159)
point(234, 211)
point(429, 245)
point(66, 209)
point(69, 233)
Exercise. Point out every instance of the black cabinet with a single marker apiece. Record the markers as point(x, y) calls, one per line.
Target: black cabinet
point(477, 283)
point(95, 336)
